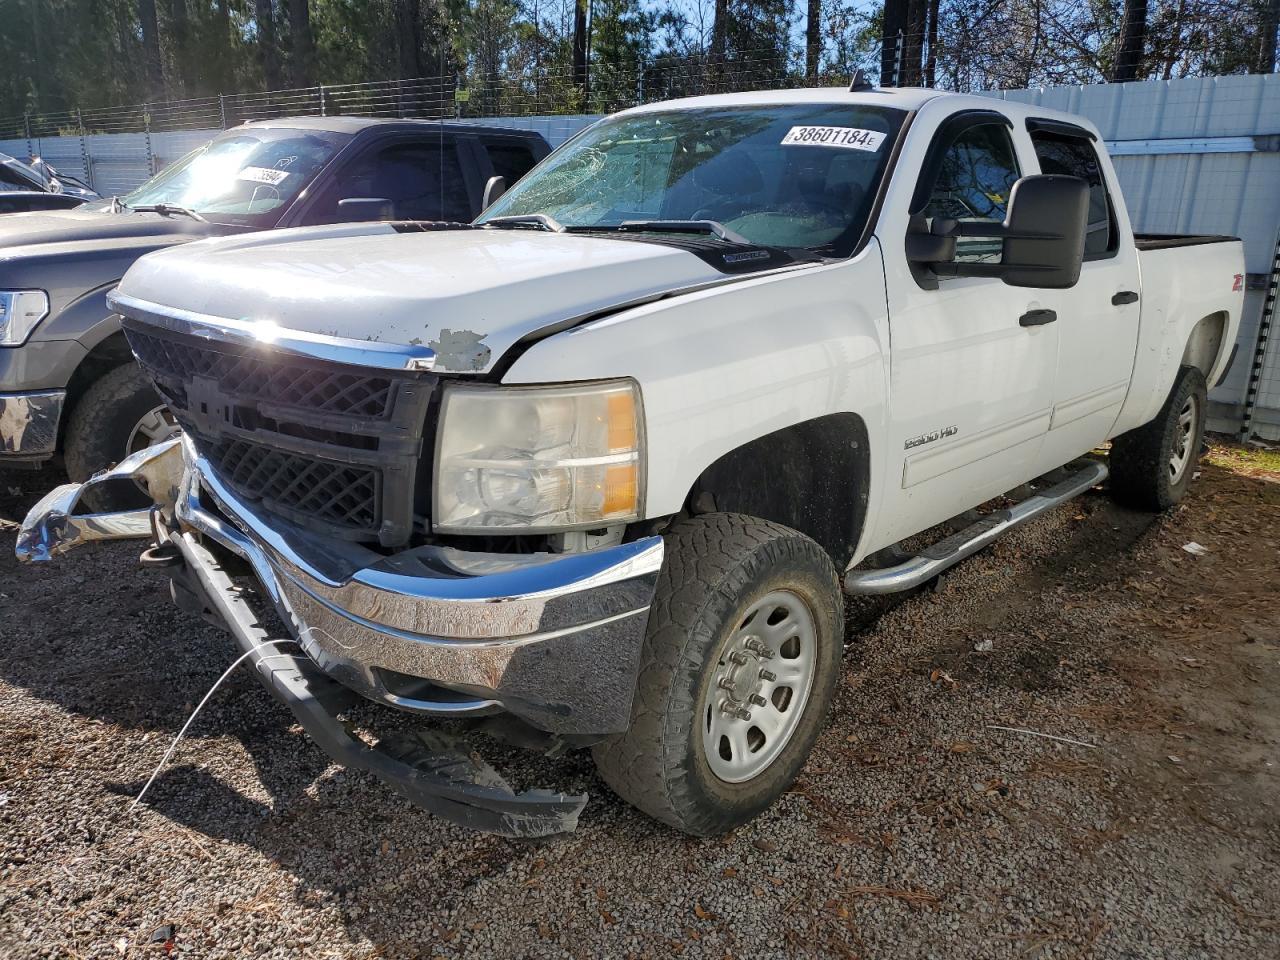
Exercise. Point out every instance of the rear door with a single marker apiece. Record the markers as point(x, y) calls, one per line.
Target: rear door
point(1098, 317)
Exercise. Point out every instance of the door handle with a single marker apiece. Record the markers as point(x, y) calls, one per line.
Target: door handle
point(1123, 297)
point(1037, 318)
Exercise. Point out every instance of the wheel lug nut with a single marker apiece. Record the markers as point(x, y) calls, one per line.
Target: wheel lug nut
point(724, 683)
point(758, 700)
point(768, 676)
point(738, 657)
point(743, 714)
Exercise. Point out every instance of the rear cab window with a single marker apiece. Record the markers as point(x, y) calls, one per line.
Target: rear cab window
point(1063, 152)
point(419, 180)
point(511, 158)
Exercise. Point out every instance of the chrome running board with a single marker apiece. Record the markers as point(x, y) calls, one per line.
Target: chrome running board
point(936, 558)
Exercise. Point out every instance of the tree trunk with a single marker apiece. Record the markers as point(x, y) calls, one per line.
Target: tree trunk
point(813, 39)
point(931, 64)
point(222, 77)
point(409, 34)
point(151, 49)
point(913, 43)
point(581, 78)
point(1133, 40)
point(186, 67)
point(301, 43)
point(893, 24)
point(1266, 62)
point(268, 49)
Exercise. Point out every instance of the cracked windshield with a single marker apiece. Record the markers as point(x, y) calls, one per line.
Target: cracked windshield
point(244, 178)
point(792, 176)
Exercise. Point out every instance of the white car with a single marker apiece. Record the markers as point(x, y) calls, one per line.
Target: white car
point(598, 468)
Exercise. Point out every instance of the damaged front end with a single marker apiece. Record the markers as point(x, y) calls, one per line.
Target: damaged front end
point(550, 639)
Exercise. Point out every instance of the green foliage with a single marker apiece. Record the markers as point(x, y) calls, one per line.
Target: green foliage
point(515, 56)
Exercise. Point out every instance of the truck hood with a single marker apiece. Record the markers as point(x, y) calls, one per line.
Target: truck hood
point(469, 295)
point(91, 222)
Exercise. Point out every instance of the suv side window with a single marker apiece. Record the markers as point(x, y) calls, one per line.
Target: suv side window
point(511, 159)
point(1075, 157)
point(11, 181)
point(423, 181)
point(975, 176)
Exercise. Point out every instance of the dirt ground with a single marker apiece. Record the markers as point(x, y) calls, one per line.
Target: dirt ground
point(919, 828)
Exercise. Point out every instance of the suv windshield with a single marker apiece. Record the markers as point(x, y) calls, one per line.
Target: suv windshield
point(246, 176)
point(790, 176)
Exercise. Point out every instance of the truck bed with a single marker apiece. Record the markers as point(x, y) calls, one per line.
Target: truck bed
point(1163, 241)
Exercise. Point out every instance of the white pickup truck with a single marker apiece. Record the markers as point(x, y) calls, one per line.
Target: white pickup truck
point(597, 469)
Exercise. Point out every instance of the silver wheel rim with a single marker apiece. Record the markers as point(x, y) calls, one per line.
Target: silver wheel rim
point(155, 426)
point(1184, 439)
point(759, 687)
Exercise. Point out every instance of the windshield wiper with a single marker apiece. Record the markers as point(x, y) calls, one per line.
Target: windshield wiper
point(168, 210)
point(712, 227)
point(540, 220)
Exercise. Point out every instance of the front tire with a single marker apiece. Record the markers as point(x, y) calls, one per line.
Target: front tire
point(739, 666)
point(1152, 466)
point(119, 414)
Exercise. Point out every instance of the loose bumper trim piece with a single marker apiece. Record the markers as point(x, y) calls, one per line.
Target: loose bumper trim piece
point(29, 425)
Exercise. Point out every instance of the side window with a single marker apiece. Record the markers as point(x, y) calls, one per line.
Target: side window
point(11, 181)
point(511, 159)
point(974, 180)
point(1076, 157)
point(422, 181)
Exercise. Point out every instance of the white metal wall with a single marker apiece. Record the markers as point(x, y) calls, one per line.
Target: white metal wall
point(1199, 155)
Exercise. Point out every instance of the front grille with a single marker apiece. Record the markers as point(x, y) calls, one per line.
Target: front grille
point(332, 447)
point(308, 386)
point(300, 487)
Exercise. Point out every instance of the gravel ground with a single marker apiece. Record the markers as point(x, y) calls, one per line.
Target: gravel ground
point(916, 830)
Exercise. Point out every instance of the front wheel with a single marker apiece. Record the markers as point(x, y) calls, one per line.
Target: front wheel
point(118, 415)
point(1152, 466)
point(739, 666)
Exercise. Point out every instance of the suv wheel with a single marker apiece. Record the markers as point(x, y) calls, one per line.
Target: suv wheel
point(739, 666)
point(118, 415)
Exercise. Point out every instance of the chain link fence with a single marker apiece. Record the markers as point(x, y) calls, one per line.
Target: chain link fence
point(539, 93)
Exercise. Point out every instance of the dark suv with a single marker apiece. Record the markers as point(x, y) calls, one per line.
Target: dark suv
point(68, 382)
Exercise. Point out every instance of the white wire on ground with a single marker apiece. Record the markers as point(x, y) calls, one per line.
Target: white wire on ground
point(199, 706)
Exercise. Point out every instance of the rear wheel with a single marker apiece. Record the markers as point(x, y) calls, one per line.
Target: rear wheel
point(118, 415)
point(739, 665)
point(1152, 466)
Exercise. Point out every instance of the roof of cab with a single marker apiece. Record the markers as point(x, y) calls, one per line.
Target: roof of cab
point(903, 98)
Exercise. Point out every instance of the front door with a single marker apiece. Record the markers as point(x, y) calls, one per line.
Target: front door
point(971, 381)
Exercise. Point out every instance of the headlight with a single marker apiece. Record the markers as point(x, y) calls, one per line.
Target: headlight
point(538, 459)
point(20, 311)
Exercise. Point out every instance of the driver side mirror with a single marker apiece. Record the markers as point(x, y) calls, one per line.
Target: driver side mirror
point(358, 209)
point(1042, 237)
point(495, 188)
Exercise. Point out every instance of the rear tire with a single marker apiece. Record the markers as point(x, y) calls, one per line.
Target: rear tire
point(119, 414)
point(730, 584)
point(1152, 465)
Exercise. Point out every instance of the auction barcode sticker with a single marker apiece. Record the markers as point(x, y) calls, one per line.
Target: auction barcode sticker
point(263, 175)
point(848, 138)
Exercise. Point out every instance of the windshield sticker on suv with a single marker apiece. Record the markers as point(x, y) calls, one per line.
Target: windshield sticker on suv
point(847, 138)
point(263, 175)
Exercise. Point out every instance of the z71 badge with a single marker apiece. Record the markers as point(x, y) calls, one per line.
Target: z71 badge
point(930, 437)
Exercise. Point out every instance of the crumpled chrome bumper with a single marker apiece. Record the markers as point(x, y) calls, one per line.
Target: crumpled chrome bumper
point(553, 639)
point(29, 426)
